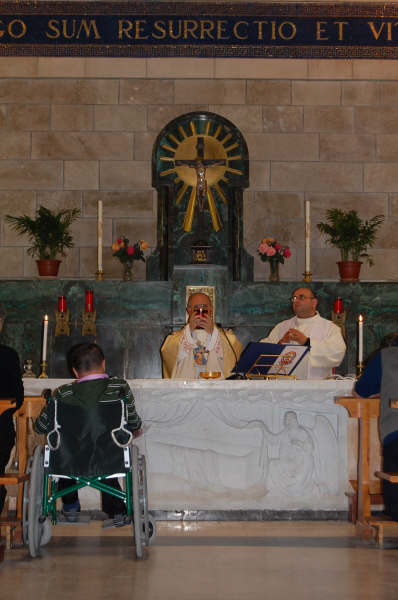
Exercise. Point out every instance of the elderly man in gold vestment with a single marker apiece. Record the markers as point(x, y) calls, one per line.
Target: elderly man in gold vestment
point(200, 345)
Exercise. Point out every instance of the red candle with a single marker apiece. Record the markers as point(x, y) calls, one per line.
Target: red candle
point(89, 300)
point(338, 306)
point(61, 304)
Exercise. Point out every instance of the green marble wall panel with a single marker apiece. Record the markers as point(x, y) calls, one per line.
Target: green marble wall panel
point(134, 317)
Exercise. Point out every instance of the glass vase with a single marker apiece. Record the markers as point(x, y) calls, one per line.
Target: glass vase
point(128, 272)
point(273, 270)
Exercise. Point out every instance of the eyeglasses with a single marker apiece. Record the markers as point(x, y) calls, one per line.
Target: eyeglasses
point(301, 297)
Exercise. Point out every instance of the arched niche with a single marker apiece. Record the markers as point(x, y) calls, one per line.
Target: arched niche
point(200, 158)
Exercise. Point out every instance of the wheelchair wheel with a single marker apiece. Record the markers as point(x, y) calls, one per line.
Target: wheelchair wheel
point(137, 514)
point(149, 523)
point(39, 531)
point(25, 502)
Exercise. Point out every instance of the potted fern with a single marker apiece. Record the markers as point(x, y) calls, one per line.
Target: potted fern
point(50, 235)
point(352, 236)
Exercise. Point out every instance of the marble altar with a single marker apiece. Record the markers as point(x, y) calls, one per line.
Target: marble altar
point(240, 445)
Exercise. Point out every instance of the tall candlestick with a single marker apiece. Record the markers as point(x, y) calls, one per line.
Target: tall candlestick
point(307, 235)
point(89, 301)
point(62, 304)
point(99, 247)
point(360, 338)
point(45, 332)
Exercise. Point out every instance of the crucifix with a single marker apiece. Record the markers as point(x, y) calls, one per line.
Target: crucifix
point(200, 164)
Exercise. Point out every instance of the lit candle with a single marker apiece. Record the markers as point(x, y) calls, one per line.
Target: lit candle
point(45, 332)
point(89, 300)
point(62, 304)
point(99, 231)
point(360, 338)
point(307, 235)
point(338, 306)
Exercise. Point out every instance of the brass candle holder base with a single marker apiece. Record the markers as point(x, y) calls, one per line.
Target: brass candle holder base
point(307, 276)
point(88, 319)
point(43, 374)
point(99, 275)
point(62, 323)
point(340, 319)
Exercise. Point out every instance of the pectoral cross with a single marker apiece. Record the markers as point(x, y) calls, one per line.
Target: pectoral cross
point(201, 164)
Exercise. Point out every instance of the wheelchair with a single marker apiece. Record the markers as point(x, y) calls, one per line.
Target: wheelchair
point(83, 444)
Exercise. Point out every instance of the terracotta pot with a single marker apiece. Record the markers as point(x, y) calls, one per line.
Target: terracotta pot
point(48, 267)
point(349, 270)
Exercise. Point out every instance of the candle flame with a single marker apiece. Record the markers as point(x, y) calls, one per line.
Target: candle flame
point(46, 317)
point(361, 318)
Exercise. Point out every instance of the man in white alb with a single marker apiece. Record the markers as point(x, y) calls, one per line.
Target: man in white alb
point(327, 347)
point(200, 345)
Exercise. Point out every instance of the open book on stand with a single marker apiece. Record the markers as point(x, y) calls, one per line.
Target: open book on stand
point(261, 359)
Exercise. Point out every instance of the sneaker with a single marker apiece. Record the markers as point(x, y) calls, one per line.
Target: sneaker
point(117, 521)
point(71, 511)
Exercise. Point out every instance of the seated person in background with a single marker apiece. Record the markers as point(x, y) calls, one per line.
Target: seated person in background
point(381, 377)
point(323, 337)
point(11, 386)
point(200, 345)
point(92, 385)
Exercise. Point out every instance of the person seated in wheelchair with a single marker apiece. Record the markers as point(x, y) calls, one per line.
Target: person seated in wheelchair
point(87, 409)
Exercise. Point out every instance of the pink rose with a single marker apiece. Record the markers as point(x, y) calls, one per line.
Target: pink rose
point(130, 250)
point(271, 251)
point(286, 252)
point(263, 248)
point(277, 246)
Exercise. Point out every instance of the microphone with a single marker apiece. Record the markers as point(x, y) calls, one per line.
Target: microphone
point(235, 375)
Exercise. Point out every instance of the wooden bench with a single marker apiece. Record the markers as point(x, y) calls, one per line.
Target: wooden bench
point(29, 410)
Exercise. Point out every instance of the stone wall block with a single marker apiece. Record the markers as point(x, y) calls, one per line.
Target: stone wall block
point(28, 117)
point(330, 69)
point(385, 266)
point(120, 204)
point(15, 204)
point(356, 93)
point(312, 177)
point(284, 119)
point(367, 205)
point(146, 91)
point(387, 147)
point(114, 67)
point(316, 93)
point(381, 177)
point(143, 145)
point(59, 91)
point(180, 67)
point(373, 119)
point(30, 175)
point(52, 66)
point(136, 229)
point(125, 175)
point(11, 262)
point(276, 146)
point(72, 117)
point(210, 91)
point(279, 204)
point(324, 264)
point(82, 145)
point(121, 118)
point(61, 199)
point(99, 91)
point(18, 66)
point(261, 68)
point(374, 69)
point(15, 145)
point(160, 116)
point(328, 118)
point(259, 175)
point(81, 175)
point(335, 146)
point(393, 205)
point(246, 118)
point(84, 232)
point(269, 93)
point(389, 93)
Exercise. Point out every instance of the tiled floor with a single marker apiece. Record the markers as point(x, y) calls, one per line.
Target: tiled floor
point(205, 561)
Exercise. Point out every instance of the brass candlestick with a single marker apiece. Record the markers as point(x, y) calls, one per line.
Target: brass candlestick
point(43, 374)
point(99, 275)
point(359, 369)
point(339, 319)
point(62, 323)
point(307, 276)
point(88, 326)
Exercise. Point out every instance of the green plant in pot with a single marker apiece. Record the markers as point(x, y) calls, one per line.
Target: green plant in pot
point(352, 236)
point(49, 233)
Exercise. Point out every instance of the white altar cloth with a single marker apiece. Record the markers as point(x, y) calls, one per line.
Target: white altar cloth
point(240, 445)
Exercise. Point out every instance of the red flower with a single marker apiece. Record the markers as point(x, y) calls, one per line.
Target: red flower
point(130, 250)
point(119, 240)
point(277, 246)
point(286, 252)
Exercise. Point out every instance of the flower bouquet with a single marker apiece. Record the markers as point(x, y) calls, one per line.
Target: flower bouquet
point(271, 251)
point(126, 253)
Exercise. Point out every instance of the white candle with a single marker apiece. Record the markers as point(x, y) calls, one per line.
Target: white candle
point(99, 247)
point(307, 235)
point(360, 338)
point(45, 332)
